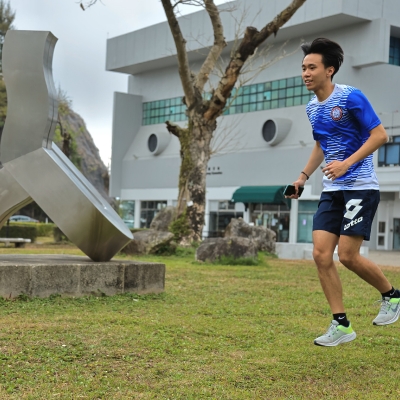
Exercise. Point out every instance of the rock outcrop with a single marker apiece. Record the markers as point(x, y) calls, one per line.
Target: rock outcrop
point(90, 163)
point(148, 241)
point(163, 219)
point(263, 237)
point(241, 241)
point(237, 247)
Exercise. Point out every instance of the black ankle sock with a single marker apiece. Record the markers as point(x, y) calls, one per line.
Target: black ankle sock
point(392, 293)
point(342, 319)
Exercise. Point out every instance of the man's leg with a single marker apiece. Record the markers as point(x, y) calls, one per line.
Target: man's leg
point(349, 256)
point(338, 332)
point(324, 246)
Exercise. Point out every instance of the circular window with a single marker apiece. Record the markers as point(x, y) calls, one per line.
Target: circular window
point(152, 143)
point(269, 131)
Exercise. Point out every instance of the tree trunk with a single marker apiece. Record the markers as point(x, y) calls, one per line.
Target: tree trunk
point(195, 154)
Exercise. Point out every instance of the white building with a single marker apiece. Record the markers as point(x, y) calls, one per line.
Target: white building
point(265, 136)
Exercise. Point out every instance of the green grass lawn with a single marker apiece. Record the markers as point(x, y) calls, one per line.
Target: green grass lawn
point(218, 332)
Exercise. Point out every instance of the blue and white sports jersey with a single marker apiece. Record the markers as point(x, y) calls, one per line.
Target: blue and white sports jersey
point(342, 124)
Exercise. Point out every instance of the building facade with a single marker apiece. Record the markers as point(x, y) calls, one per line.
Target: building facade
point(264, 138)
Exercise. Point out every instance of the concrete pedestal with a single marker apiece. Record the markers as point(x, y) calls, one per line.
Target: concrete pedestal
point(44, 275)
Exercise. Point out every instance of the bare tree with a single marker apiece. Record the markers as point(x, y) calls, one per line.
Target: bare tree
point(7, 17)
point(195, 139)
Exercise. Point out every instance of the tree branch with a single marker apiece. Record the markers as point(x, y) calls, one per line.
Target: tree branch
point(216, 49)
point(87, 4)
point(278, 21)
point(183, 61)
point(252, 39)
point(173, 129)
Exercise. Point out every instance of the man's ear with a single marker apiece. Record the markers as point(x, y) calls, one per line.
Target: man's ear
point(330, 71)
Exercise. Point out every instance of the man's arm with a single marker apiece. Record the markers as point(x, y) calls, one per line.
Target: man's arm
point(377, 138)
point(315, 160)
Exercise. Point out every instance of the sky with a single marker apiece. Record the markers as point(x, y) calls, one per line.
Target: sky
point(80, 54)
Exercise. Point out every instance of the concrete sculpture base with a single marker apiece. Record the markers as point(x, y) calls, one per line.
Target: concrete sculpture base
point(44, 275)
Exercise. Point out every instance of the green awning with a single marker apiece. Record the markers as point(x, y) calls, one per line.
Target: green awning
point(261, 194)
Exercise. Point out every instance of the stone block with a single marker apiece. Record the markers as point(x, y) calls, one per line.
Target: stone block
point(53, 279)
point(44, 275)
point(14, 280)
point(144, 278)
point(107, 278)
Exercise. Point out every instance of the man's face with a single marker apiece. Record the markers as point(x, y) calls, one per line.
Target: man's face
point(315, 75)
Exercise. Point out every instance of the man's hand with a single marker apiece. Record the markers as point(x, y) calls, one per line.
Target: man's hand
point(335, 169)
point(300, 182)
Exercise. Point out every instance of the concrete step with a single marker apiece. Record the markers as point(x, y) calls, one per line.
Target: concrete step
point(44, 275)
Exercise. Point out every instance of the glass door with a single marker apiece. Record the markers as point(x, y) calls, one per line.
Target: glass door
point(276, 221)
point(396, 234)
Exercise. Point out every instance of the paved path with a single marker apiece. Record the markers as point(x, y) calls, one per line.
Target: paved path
point(387, 258)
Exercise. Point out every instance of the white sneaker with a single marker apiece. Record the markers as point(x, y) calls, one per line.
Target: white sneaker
point(389, 312)
point(336, 334)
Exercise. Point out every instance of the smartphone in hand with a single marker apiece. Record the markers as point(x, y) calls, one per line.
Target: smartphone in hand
point(291, 190)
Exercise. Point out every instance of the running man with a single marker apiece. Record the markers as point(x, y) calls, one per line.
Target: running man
point(346, 131)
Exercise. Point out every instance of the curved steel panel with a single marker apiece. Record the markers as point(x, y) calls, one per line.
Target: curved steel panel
point(35, 168)
point(32, 99)
point(12, 196)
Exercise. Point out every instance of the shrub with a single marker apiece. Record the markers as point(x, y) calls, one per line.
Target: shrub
point(24, 231)
point(186, 251)
point(250, 261)
point(173, 249)
point(168, 249)
point(58, 235)
point(45, 229)
point(180, 227)
point(230, 260)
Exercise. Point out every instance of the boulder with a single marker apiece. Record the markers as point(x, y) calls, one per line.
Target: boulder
point(214, 248)
point(163, 219)
point(148, 241)
point(263, 237)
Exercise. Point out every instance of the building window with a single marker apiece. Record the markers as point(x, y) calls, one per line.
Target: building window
point(394, 51)
point(389, 154)
point(127, 213)
point(226, 205)
point(381, 233)
point(306, 213)
point(157, 112)
point(272, 216)
point(281, 93)
point(148, 210)
point(220, 219)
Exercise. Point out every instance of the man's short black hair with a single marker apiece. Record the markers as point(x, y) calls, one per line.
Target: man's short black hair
point(331, 52)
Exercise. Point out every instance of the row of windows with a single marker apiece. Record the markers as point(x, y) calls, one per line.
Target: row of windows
point(389, 154)
point(280, 93)
point(394, 51)
point(262, 96)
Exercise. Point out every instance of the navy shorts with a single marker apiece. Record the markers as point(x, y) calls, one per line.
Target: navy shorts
point(347, 212)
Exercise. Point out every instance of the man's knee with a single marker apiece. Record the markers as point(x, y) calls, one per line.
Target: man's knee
point(347, 257)
point(322, 257)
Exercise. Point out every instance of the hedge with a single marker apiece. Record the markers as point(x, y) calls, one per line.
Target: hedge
point(45, 229)
point(19, 231)
point(27, 230)
point(42, 229)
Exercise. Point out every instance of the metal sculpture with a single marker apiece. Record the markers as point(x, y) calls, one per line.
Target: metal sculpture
point(32, 166)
